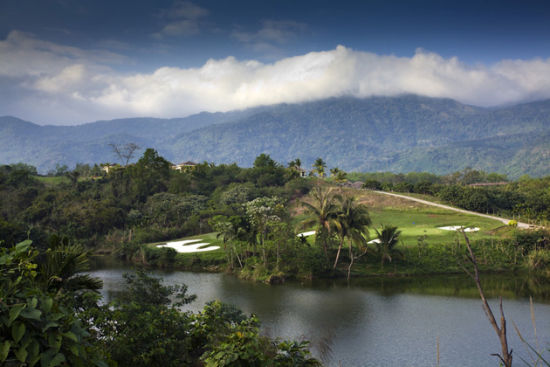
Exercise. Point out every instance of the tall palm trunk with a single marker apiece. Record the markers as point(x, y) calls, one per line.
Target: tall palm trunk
point(351, 259)
point(338, 254)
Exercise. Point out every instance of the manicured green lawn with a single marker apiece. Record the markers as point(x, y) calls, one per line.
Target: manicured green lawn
point(414, 223)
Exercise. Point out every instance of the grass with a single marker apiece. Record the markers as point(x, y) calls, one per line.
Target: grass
point(53, 180)
point(418, 222)
point(58, 180)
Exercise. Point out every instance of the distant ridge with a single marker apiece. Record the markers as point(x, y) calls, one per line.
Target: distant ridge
point(398, 134)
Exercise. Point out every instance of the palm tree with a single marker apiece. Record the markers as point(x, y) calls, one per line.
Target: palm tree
point(352, 223)
point(320, 166)
point(62, 267)
point(321, 213)
point(227, 232)
point(295, 164)
point(387, 239)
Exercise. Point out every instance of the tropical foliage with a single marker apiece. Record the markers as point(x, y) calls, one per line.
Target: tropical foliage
point(141, 327)
point(386, 244)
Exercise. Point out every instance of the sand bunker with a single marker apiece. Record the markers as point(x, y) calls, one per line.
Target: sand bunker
point(186, 247)
point(456, 228)
point(305, 234)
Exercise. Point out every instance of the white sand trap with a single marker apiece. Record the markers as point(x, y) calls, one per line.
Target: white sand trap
point(376, 240)
point(305, 234)
point(186, 247)
point(456, 228)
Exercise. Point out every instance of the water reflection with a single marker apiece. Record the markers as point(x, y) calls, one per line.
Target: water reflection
point(374, 322)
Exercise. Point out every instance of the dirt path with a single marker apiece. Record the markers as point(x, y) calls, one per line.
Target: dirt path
point(503, 220)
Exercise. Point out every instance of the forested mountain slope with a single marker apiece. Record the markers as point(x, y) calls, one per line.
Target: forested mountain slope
point(396, 134)
point(403, 133)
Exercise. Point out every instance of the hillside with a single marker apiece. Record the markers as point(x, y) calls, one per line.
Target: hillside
point(395, 134)
point(407, 133)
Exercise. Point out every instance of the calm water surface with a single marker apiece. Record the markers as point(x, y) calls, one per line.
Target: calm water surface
point(376, 323)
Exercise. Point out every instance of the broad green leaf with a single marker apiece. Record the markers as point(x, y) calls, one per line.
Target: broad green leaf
point(34, 349)
point(4, 350)
point(56, 316)
point(31, 314)
point(46, 357)
point(47, 304)
point(22, 246)
point(57, 360)
point(70, 335)
point(33, 360)
point(15, 310)
point(54, 341)
point(34, 302)
point(17, 331)
point(75, 350)
point(49, 325)
point(21, 354)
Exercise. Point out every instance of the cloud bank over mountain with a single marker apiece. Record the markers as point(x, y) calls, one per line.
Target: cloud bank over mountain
point(53, 83)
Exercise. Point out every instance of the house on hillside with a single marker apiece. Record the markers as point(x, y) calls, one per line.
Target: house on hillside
point(301, 172)
point(185, 166)
point(107, 168)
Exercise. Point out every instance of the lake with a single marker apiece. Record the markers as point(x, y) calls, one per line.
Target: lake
point(373, 322)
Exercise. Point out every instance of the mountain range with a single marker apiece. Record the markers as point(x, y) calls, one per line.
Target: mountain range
point(400, 134)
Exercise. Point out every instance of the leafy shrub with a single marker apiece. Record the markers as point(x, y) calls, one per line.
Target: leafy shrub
point(539, 261)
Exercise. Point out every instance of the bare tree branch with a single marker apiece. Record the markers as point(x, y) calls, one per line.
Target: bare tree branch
point(124, 152)
point(506, 356)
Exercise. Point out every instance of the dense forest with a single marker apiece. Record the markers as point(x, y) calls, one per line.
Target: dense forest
point(52, 314)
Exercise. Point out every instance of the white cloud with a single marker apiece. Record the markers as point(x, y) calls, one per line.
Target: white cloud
point(183, 19)
point(62, 84)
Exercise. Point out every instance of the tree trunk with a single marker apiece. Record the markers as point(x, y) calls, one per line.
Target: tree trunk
point(351, 259)
point(278, 256)
point(325, 248)
point(338, 254)
point(239, 259)
point(506, 355)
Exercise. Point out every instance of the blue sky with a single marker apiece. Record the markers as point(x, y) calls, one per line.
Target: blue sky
point(66, 62)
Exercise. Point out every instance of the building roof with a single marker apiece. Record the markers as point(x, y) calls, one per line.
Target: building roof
point(188, 163)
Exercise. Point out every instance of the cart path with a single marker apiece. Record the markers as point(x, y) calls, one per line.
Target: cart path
point(503, 220)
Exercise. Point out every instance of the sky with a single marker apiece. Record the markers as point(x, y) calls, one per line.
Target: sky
point(67, 62)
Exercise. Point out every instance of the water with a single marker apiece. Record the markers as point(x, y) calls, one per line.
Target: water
point(377, 323)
